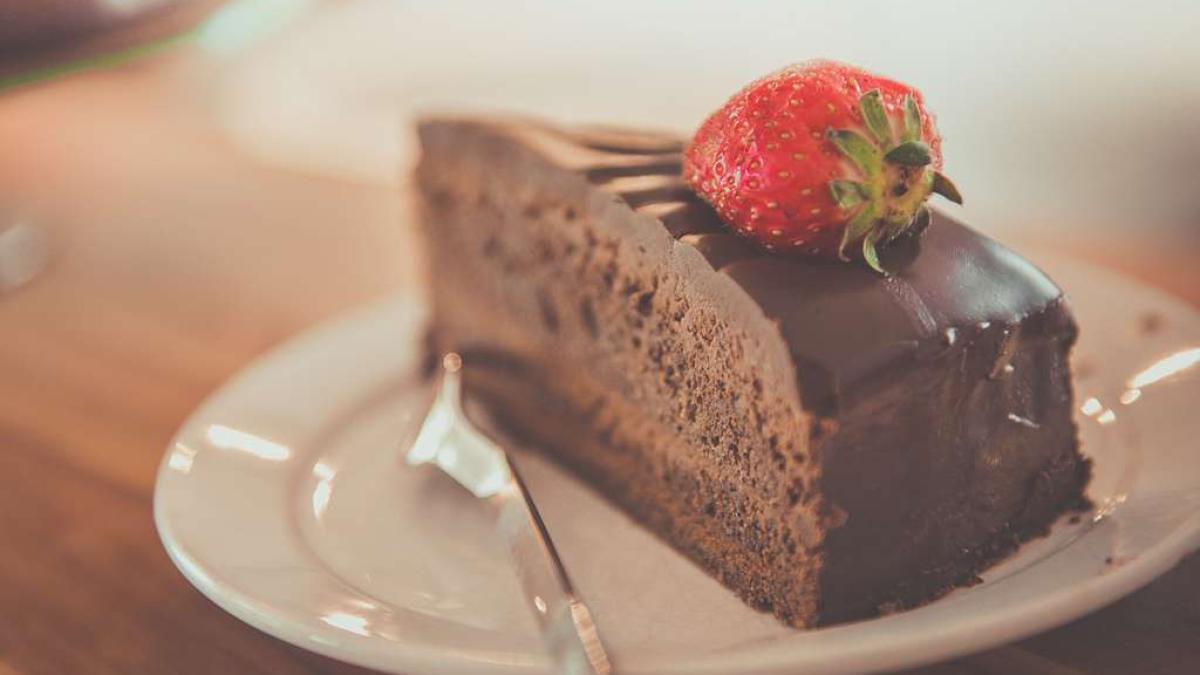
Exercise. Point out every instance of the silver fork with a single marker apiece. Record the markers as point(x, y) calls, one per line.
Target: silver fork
point(449, 440)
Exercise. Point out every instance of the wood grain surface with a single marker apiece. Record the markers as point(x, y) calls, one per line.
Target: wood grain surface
point(175, 262)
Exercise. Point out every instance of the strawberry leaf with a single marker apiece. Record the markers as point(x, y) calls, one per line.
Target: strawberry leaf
point(871, 104)
point(862, 223)
point(848, 193)
point(921, 221)
point(853, 145)
point(869, 253)
point(910, 153)
point(913, 227)
point(946, 188)
point(912, 120)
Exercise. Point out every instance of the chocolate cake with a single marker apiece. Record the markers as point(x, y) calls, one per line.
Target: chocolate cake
point(828, 442)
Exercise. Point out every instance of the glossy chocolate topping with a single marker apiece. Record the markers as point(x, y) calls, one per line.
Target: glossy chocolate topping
point(842, 321)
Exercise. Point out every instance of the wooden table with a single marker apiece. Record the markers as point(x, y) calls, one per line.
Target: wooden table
point(176, 261)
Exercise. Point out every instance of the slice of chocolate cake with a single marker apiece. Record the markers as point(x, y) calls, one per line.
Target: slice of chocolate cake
point(829, 442)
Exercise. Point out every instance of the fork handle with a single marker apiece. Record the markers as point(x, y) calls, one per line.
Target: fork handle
point(564, 619)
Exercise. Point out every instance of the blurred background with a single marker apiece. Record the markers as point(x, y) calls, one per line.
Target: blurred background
point(186, 183)
point(1071, 122)
point(1076, 110)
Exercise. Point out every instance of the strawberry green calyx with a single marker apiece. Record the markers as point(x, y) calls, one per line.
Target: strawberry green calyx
point(896, 176)
point(819, 160)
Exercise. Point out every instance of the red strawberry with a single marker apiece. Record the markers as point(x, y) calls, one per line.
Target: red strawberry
point(820, 158)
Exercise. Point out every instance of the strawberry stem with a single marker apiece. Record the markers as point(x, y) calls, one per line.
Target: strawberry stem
point(946, 188)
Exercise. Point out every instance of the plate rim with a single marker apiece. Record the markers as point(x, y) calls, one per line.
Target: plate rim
point(884, 652)
point(420, 657)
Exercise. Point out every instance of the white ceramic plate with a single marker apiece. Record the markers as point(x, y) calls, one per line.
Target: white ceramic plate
point(284, 500)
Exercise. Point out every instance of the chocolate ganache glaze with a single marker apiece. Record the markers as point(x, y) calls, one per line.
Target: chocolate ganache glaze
point(842, 321)
point(941, 392)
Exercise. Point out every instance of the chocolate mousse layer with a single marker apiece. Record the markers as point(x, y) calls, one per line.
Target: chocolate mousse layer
point(828, 442)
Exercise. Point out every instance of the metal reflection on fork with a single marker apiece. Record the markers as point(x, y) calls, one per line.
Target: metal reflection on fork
point(449, 440)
